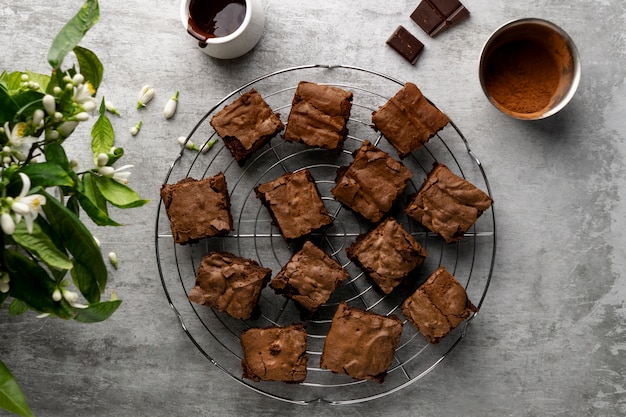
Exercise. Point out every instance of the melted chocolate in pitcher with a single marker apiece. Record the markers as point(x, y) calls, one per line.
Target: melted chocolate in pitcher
point(214, 18)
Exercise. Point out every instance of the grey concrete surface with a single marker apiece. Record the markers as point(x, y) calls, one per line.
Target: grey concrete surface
point(551, 336)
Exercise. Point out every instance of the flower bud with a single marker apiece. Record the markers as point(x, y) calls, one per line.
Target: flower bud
point(38, 116)
point(135, 129)
point(56, 295)
point(106, 171)
point(4, 287)
point(205, 148)
point(82, 116)
point(102, 159)
point(7, 223)
point(89, 106)
point(78, 79)
point(70, 296)
point(170, 106)
point(111, 107)
point(49, 103)
point(113, 259)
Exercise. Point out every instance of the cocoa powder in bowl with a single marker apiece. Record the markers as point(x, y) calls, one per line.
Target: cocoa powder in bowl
point(529, 69)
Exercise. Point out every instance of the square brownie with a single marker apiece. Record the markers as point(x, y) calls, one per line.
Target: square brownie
point(361, 343)
point(447, 204)
point(372, 183)
point(408, 120)
point(197, 208)
point(246, 125)
point(319, 116)
point(229, 283)
point(388, 254)
point(295, 204)
point(310, 277)
point(438, 306)
point(275, 353)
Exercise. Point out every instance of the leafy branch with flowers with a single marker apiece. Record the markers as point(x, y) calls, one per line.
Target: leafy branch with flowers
point(49, 260)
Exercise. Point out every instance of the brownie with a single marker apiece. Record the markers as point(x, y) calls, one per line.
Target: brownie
point(295, 204)
point(310, 277)
point(361, 343)
point(404, 43)
point(438, 306)
point(275, 353)
point(388, 254)
point(371, 183)
point(408, 120)
point(434, 16)
point(229, 283)
point(197, 208)
point(246, 125)
point(319, 115)
point(447, 204)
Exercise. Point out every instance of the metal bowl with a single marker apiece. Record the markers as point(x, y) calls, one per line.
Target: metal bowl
point(544, 35)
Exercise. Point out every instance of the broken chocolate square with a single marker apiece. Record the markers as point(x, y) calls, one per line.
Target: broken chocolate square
point(405, 44)
point(435, 16)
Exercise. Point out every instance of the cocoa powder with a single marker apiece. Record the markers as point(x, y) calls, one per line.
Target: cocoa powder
point(522, 76)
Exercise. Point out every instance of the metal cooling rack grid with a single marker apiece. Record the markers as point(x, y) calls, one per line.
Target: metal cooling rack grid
point(216, 335)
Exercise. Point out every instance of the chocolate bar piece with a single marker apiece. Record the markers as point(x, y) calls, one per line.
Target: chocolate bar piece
point(435, 16)
point(405, 44)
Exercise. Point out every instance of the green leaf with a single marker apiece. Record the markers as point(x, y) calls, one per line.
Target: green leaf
point(73, 32)
point(47, 174)
point(11, 396)
point(97, 312)
point(89, 272)
point(8, 106)
point(32, 284)
point(90, 66)
point(119, 194)
point(92, 201)
point(17, 307)
point(102, 134)
point(41, 245)
point(56, 154)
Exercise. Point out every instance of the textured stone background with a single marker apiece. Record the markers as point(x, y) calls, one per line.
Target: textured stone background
point(551, 337)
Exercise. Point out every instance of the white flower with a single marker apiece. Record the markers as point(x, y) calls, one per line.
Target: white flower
point(27, 206)
point(145, 95)
point(49, 104)
point(135, 129)
point(170, 106)
point(7, 223)
point(84, 93)
point(16, 135)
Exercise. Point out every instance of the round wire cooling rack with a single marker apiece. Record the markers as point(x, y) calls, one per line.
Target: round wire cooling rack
point(216, 335)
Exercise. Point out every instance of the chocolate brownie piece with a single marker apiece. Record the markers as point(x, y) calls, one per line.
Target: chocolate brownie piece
point(388, 254)
point(361, 343)
point(408, 120)
point(319, 115)
point(371, 183)
point(275, 353)
point(434, 16)
point(295, 204)
point(310, 277)
point(438, 306)
point(447, 204)
point(229, 283)
point(197, 208)
point(246, 125)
